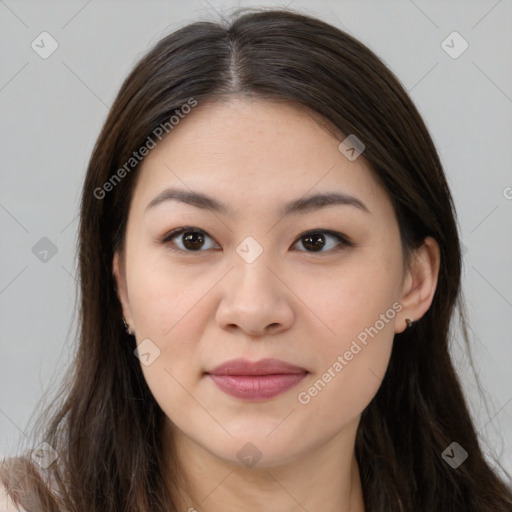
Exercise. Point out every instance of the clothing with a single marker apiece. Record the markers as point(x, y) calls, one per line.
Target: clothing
point(6, 504)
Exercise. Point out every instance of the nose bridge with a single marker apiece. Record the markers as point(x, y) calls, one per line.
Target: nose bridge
point(253, 297)
point(252, 270)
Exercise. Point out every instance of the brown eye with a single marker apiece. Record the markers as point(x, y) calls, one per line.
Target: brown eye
point(315, 241)
point(188, 239)
point(191, 239)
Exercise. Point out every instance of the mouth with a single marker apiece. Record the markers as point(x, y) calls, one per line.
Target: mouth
point(256, 381)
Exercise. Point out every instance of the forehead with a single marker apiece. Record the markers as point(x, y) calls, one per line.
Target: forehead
point(255, 152)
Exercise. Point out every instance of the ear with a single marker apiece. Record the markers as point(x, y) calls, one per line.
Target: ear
point(118, 271)
point(420, 282)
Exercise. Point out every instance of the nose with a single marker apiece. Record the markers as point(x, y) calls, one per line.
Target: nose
point(255, 300)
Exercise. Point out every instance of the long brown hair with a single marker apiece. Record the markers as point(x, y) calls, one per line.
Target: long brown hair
point(106, 425)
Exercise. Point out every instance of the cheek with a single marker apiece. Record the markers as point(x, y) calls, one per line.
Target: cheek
point(162, 296)
point(168, 310)
point(355, 297)
point(351, 364)
point(354, 351)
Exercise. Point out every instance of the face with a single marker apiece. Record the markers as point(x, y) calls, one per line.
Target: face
point(317, 287)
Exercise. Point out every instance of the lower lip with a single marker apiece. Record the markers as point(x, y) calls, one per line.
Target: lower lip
point(256, 387)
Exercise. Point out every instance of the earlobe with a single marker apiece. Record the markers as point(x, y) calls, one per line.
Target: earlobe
point(121, 289)
point(420, 283)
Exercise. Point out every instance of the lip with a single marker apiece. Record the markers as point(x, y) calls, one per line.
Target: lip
point(258, 380)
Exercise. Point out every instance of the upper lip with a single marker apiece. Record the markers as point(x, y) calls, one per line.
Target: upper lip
point(242, 366)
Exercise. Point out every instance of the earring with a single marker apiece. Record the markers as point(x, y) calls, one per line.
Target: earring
point(409, 322)
point(126, 326)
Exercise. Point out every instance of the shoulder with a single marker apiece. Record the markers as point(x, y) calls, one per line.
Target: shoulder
point(6, 504)
point(28, 483)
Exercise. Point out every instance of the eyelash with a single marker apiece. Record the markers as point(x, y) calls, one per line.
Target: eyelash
point(343, 240)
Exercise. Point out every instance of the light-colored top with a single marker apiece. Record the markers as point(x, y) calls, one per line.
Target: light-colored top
point(6, 504)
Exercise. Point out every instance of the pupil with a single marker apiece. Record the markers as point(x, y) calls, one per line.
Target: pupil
point(192, 238)
point(310, 240)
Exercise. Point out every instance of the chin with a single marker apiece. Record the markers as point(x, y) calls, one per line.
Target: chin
point(253, 451)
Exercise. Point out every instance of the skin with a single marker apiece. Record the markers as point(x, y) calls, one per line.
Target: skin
point(204, 307)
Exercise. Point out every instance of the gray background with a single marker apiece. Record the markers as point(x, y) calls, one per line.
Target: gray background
point(52, 110)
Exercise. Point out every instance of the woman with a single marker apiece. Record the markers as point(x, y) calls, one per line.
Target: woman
point(269, 264)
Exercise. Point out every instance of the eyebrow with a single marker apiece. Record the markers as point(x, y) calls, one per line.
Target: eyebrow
point(300, 205)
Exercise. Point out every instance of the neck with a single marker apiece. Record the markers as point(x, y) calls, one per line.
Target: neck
point(324, 479)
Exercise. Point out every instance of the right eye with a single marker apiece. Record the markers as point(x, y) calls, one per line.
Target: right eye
point(191, 239)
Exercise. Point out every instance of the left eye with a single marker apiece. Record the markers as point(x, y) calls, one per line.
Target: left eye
point(316, 240)
point(192, 240)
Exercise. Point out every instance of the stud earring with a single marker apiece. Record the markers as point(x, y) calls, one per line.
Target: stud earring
point(126, 326)
point(409, 322)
